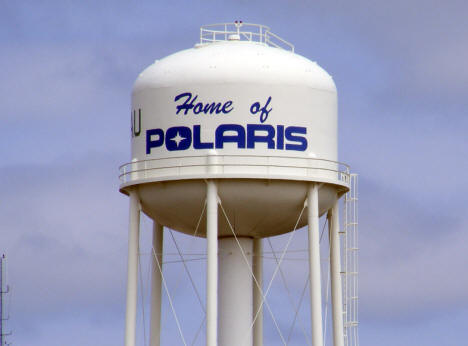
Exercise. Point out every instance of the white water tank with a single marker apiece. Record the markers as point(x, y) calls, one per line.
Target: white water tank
point(258, 118)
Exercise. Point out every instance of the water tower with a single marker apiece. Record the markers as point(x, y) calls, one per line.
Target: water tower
point(231, 139)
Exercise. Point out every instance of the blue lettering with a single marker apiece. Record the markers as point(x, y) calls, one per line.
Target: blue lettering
point(178, 138)
point(222, 137)
point(185, 106)
point(182, 137)
point(280, 137)
point(264, 111)
point(227, 107)
point(150, 143)
point(291, 135)
point(199, 107)
point(253, 138)
point(255, 108)
point(213, 107)
point(197, 143)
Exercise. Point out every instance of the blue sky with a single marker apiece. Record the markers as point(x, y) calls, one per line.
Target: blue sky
point(67, 72)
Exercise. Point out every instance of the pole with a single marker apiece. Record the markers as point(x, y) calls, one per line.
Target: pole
point(235, 291)
point(156, 282)
point(335, 271)
point(132, 268)
point(314, 265)
point(258, 292)
point(212, 263)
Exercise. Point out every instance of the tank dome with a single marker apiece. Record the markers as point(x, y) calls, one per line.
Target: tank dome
point(234, 62)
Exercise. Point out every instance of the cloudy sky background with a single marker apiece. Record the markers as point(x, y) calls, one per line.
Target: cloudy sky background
point(67, 69)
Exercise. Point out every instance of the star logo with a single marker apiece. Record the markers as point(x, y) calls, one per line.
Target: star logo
point(178, 138)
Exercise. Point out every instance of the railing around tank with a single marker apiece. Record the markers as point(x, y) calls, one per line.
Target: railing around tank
point(242, 32)
point(235, 165)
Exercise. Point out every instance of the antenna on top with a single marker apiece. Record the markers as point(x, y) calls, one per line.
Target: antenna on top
point(238, 24)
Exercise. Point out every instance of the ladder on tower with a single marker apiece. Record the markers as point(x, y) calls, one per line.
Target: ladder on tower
point(4, 290)
point(349, 241)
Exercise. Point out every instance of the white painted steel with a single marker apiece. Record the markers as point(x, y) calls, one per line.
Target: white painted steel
point(233, 62)
point(212, 263)
point(234, 166)
point(257, 269)
point(132, 267)
point(235, 292)
point(335, 273)
point(271, 207)
point(314, 265)
point(156, 284)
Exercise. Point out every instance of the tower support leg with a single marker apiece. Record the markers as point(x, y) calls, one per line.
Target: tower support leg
point(132, 268)
point(335, 271)
point(156, 282)
point(258, 292)
point(235, 292)
point(314, 264)
point(212, 263)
